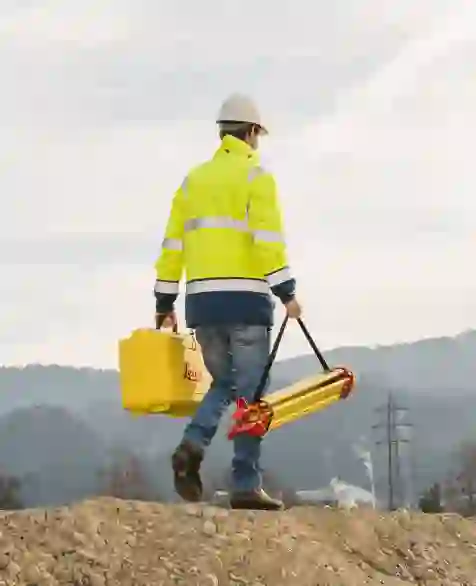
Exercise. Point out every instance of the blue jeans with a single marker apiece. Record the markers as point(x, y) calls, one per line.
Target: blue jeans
point(235, 357)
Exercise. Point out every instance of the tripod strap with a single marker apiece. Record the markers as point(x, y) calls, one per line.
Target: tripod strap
point(274, 351)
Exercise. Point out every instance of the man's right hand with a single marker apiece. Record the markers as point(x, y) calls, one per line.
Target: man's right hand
point(293, 309)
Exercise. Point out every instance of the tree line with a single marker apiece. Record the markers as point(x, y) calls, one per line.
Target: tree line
point(127, 476)
point(456, 491)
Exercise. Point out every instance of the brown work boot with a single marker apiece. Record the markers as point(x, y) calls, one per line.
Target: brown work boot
point(255, 500)
point(186, 461)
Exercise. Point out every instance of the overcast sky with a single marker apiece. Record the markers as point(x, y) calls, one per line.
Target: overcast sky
point(104, 105)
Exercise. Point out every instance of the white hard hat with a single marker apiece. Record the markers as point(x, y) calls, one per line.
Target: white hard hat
point(240, 108)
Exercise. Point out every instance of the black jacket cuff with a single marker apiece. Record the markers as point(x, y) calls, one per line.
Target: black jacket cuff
point(164, 302)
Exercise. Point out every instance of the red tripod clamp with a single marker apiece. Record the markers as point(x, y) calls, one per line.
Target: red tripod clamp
point(349, 384)
point(251, 419)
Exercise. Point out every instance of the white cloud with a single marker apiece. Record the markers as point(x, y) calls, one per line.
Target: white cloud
point(376, 185)
point(84, 24)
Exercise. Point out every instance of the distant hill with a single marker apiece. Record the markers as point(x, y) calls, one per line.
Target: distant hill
point(81, 419)
point(57, 456)
point(434, 364)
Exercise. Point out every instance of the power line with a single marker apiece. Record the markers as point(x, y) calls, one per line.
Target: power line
point(392, 426)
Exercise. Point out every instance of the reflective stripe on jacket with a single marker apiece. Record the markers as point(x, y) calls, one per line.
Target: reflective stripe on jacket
point(225, 230)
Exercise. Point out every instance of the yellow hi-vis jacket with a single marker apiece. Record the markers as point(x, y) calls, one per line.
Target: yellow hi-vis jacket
point(225, 230)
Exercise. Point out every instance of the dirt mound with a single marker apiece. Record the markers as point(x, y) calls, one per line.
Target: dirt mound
point(107, 542)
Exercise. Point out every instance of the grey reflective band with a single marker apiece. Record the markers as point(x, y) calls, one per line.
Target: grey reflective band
point(255, 172)
point(172, 244)
point(166, 287)
point(184, 185)
point(216, 222)
point(279, 277)
point(268, 236)
point(232, 223)
point(211, 285)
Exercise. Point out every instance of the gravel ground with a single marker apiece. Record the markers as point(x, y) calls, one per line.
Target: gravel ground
point(107, 542)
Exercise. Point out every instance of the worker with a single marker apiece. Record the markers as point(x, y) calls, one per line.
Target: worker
point(225, 231)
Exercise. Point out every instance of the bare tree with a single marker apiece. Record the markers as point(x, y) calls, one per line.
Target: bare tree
point(430, 500)
point(10, 492)
point(127, 478)
point(460, 487)
point(467, 475)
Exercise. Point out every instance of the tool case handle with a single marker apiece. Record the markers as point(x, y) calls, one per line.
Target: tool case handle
point(159, 320)
point(262, 384)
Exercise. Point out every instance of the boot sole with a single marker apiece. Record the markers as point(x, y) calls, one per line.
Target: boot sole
point(254, 506)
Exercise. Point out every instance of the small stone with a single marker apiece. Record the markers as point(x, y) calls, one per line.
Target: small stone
point(32, 574)
point(213, 580)
point(246, 536)
point(193, 511)
point(97, 580)
point(209, 528)
point(208, 512)
point(214, 513)
point(13, 569)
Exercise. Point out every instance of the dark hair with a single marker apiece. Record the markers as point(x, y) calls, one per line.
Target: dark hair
point(239, 130)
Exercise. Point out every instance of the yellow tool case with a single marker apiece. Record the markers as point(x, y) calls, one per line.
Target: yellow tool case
point(163, 372)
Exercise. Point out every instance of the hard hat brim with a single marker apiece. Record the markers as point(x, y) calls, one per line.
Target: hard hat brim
point(262, 130)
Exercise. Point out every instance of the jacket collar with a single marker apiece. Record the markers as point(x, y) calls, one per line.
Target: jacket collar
point(235, 146)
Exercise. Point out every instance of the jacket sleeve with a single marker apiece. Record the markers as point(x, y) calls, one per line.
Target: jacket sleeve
point(169, 265)
point(266, 225)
